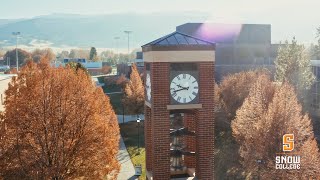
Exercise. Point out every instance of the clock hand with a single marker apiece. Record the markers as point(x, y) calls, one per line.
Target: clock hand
point(178, 90)
point(181, 89)
point(179, 86)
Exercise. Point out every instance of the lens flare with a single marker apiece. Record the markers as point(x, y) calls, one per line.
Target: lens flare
point(214, 32)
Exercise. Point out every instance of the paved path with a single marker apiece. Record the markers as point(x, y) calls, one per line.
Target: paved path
point(114, 93)
point(128, 118)
point(127, 170)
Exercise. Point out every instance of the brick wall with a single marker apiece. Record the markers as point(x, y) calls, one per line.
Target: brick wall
point(148, 137)
point(160, 121)
point(190, 141)
point(205, 123)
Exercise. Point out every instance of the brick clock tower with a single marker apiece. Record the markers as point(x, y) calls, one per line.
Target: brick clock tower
point(179, 107)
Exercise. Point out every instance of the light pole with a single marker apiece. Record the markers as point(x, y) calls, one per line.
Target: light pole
point(122, 113)
point(8, 61)
point(128, 33)
point(138, 121)
point(17, 59)
point(117, 46)
point(259, 162)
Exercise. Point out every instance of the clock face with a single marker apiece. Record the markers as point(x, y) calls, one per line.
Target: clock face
point(184, 88)
point(148, 87)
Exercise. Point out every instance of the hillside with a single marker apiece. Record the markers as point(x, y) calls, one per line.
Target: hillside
point(61, 30)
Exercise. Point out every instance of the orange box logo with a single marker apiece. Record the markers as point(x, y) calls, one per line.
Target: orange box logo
point(288, 142)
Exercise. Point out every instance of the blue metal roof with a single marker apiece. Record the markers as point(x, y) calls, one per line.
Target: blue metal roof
point(178, 38)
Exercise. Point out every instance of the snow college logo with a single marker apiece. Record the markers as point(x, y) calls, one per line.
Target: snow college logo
point(286, 159)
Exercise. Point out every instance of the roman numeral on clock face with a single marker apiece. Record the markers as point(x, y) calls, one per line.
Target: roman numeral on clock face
point(184, 88)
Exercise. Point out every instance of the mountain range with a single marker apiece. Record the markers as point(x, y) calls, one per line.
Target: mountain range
point(83, 31)
point(66, 31)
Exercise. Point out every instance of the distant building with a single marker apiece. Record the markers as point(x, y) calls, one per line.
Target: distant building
point(79, 60)
point(315, 94)
point(4, 83)
point(4, 68)
point(123, 69)
point(5, 63)
point(139, 61)
point(94, 68)
point(239, 47)
point(126, 68)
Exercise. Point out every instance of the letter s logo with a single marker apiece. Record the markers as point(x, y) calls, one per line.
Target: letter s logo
point(288, 142)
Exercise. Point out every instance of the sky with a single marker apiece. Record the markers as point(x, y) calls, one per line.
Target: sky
point(287, 17)
point(229, 9)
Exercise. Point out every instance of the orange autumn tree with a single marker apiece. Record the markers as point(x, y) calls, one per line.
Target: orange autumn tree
point(4, 146)
point(122, 81)
point(266, 115)
point(60, 126)
point(106, 69)
point(134, 92)
point(235, 88)
point(229, 96)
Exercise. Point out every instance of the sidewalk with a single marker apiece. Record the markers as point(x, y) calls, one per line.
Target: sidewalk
point(128, 118)
point(126, 170)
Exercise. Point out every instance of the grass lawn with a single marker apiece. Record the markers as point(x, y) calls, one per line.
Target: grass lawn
point(100, 79)
point(112, 88)
point(115, 100)
point(129, 132)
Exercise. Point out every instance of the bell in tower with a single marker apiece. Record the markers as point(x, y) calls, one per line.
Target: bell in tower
point(176, 145)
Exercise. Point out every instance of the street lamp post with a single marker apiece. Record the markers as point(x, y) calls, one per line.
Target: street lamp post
point(117, 46)
point(122, 113)
point(8, 61)
point(138, 121)
point(17, 59)
point(259, 162)
point(128, 33)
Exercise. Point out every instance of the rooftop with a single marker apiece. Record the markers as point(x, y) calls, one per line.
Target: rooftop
point(178, 41)
point(178, 38)
point(315, 63)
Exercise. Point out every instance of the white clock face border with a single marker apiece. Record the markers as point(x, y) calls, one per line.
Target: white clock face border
point(148, 87)
point(184, 88)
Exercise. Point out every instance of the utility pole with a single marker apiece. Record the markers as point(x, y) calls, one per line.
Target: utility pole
point(17, 59)
point(128, 32)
